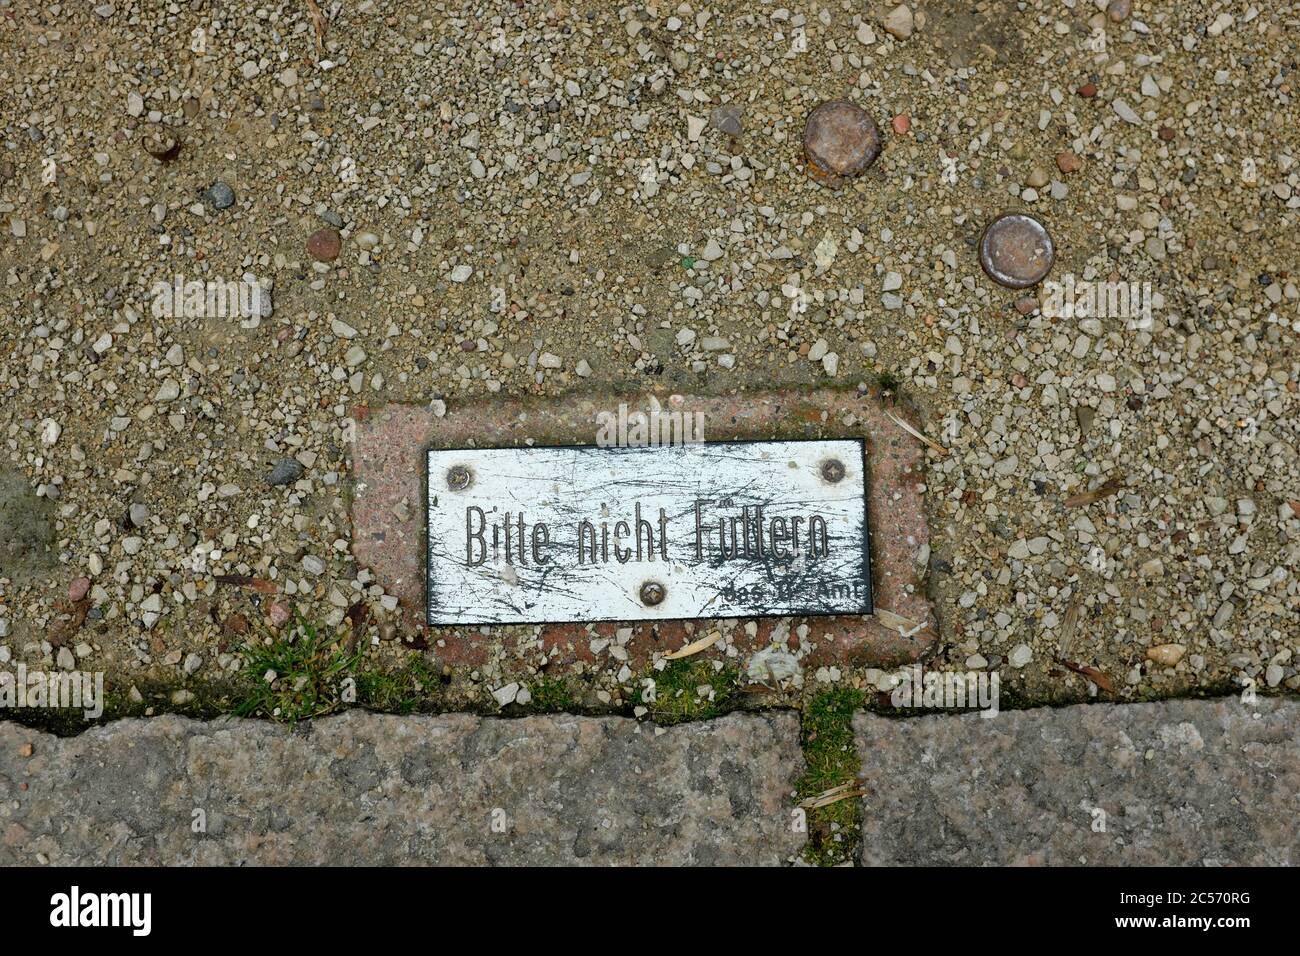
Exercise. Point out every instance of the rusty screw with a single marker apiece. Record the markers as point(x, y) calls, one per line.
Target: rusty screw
point(652, 593)
point(840, 140)
point(1016, 251)
point(833, 470)
point(458, 478)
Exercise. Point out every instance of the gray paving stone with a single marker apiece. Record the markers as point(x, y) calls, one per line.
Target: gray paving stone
point(366, 788)
point(1179, 782)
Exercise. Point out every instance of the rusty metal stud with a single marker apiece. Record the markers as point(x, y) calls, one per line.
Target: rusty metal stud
point(1016, 250)
point(458, 478)
point(840, 140)
point(652, 593)
point(833, 470)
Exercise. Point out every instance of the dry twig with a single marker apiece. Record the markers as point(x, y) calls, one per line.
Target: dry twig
point(318, 23)
point(695, 646)
point(844, 791)
point(916, 434)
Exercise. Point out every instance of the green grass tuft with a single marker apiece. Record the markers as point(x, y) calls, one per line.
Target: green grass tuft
point(309, 675)
point(404, 690)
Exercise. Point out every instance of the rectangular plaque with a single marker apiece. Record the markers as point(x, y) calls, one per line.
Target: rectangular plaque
point(708, 530)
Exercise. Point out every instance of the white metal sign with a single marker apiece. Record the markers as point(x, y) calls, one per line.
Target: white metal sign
point(719, 529)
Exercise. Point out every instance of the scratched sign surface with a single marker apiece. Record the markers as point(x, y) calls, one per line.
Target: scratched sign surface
point(721, 529)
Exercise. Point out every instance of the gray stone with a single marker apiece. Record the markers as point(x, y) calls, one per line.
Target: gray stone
point(1175, 783)
point(727, 119)
point(376, 789)
point(900, 21)
point(26, 529)
point(220, 195)
point(285, 471)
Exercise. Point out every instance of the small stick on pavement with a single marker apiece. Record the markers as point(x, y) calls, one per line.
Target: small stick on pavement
point(695, 647)
point(844, 791)
point(916, 434)
point(318, 22)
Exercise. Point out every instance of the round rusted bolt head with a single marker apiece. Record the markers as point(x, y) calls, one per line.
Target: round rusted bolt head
point(1016, 250)
point(458, 478)
point(833, 470)
point(652, 593)
point(840, 139)
point(324, 245)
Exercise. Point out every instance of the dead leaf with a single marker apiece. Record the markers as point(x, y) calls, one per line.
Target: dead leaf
point(1094, 675)
point(63, 632)
point(261, 585)
point(358, 614)
point(1109, 487)
point(1069, 624)
point(695, 646)
point(415, 640)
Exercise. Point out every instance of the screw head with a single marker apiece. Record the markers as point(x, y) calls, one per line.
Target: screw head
point(833, 470)
point(1016, 250)
point(652, 593)
point(840, 140)
point(458, 478)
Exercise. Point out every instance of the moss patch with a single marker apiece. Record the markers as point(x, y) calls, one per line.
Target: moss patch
point(691, 690)
point(550, 695)
point(828, 749)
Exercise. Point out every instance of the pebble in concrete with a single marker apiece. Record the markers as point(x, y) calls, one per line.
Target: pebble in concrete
point(162, 146)
point(285, 472)
point(220, 195)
